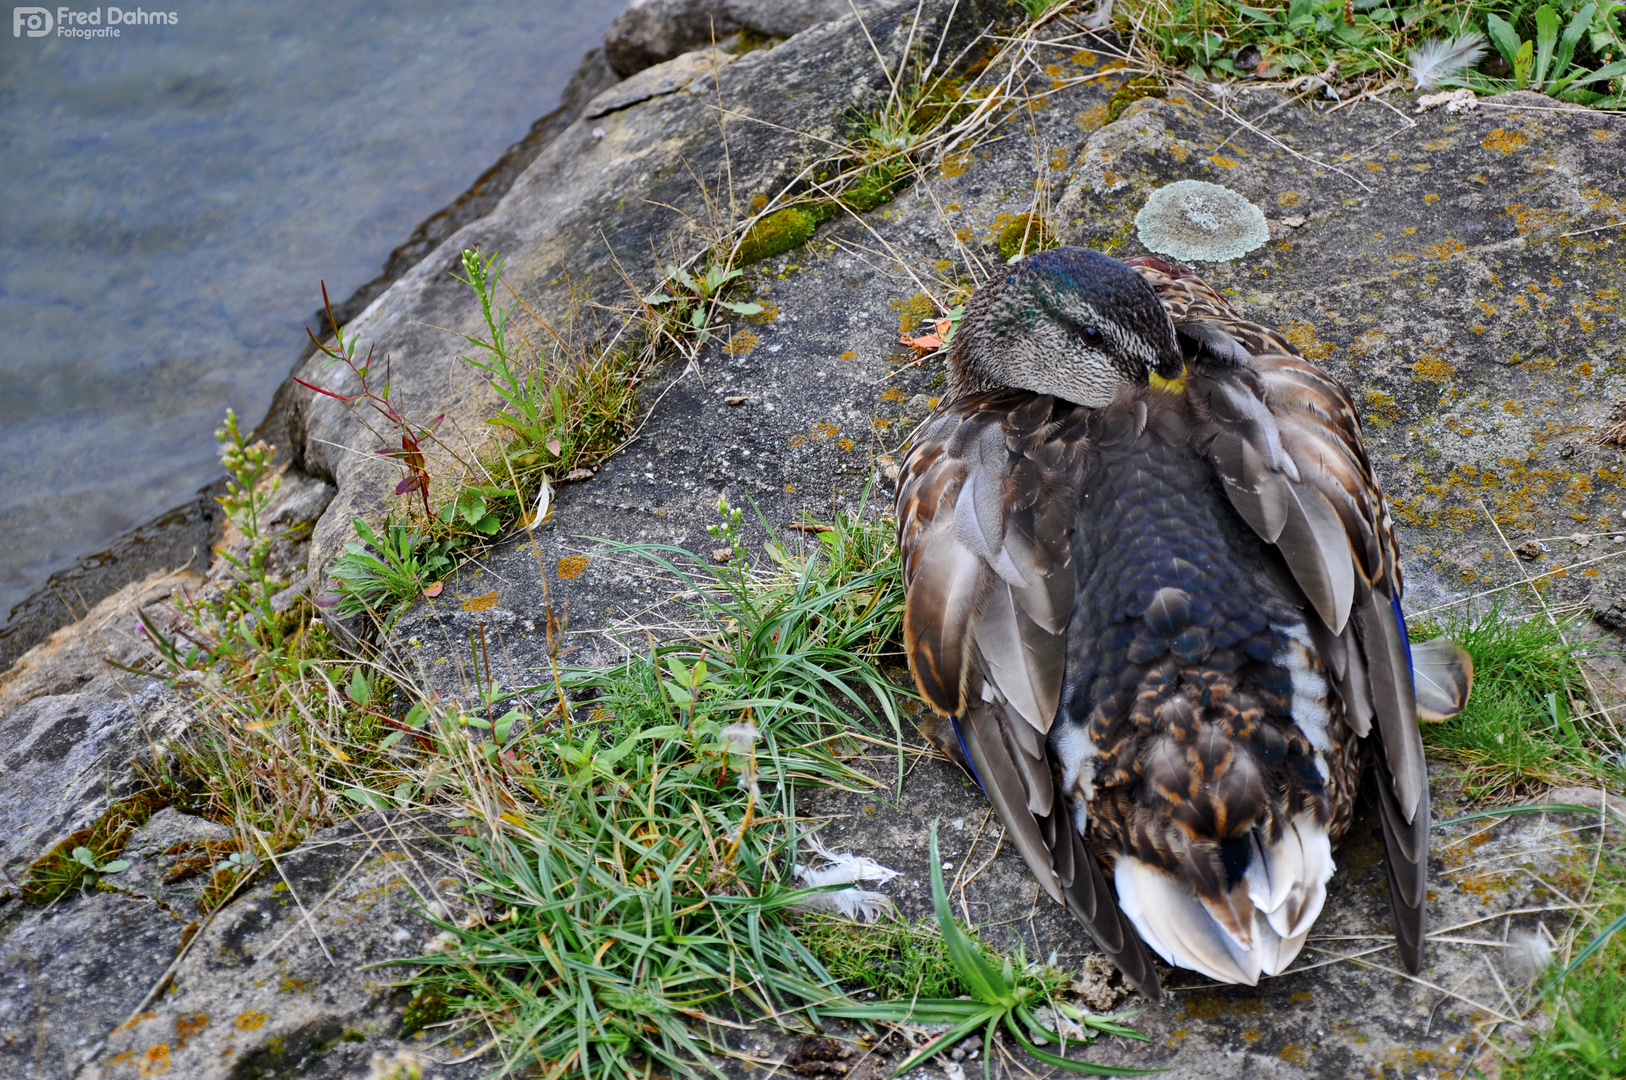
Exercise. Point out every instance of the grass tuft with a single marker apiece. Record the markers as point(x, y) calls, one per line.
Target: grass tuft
point(1524, 726)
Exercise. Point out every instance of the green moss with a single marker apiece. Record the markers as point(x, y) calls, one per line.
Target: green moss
point(427, 1007)
point(1025, 234)
point(1142, 86)
point(776, 234)
point(896, 959)
point(878, 184)
point(57, 871)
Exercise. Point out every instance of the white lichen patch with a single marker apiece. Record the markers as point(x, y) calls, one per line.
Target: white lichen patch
point(1192, 220)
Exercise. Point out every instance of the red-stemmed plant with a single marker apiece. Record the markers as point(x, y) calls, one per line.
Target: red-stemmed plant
point(410, 453)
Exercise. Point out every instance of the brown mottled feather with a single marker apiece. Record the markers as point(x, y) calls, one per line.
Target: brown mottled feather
point(971, 632)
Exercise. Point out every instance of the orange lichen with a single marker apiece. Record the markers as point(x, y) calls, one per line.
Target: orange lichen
point(1381, 409)
point(742, 343)
point(570, 567)
point(1503, 141)
point(823, 430)
point(1445, 248)
point(154, 1061)
point(188, 1025)
point(480, 603)
point(1434, 368)
point(1303, 335)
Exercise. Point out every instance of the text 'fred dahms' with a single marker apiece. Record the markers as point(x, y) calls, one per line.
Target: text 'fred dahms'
point(66, 22)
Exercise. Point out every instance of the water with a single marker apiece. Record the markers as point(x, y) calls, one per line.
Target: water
point(170, 200)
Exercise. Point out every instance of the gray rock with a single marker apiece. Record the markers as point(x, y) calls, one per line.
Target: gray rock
point(279, 984)
point(67, 757)
point(650, 31)
point(73, 971)
point(153, 851)
point(667, 77)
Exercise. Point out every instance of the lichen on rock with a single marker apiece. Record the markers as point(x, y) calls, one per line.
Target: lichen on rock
point(1195, 221)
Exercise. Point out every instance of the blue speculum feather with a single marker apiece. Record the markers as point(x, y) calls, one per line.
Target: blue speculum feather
point(955, 720)
point(1405, 638)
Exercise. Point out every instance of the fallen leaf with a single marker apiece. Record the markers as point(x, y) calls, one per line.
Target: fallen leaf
point(553, 447)
point(579, 474)
point(929, 343)
point(722, 556)
point(434, 589)
point(734, 399)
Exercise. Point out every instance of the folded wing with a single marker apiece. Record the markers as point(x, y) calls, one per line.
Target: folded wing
point(987, 500)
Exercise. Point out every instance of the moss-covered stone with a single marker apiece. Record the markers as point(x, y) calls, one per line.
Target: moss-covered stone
point(1142, 86)
point(776, 234)
point(1024, 234)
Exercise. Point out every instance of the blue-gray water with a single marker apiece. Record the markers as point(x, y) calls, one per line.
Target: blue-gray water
point(170, 199)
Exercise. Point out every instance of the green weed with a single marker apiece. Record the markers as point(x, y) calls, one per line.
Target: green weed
point(565, 408)
point(1564, 48)
point(1006, 996)
point(388, 570)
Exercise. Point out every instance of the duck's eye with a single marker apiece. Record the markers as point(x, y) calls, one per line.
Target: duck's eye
point(1093, 336)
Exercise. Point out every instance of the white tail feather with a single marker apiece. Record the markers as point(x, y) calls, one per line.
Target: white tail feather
point(1174, 923)
point(1286, 883)
point(1287, 880)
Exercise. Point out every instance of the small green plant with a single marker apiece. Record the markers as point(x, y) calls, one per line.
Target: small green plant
point(1546, 63)
point(563, 409)
point(691, 301)
point(386, 571)
point(83, 857)
point(999, 997)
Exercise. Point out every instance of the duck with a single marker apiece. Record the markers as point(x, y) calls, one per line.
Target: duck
point(1153, 603)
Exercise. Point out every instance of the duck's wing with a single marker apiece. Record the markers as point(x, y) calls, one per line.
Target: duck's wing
point(987, 499)
point(1285, 441)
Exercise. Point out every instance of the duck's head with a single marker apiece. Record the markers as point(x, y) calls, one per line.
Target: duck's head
point(1069, 322)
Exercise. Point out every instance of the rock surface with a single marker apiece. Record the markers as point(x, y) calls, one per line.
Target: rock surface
point(648, 32)
point(279, 984)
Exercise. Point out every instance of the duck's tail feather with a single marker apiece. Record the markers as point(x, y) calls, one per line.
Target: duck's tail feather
point(1286, 883)
point(1444, 674)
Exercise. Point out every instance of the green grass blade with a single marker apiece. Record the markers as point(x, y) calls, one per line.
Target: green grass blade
point(985, 983)
point(1528, 808)
point(1088, 1068)
point(1592, 946)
